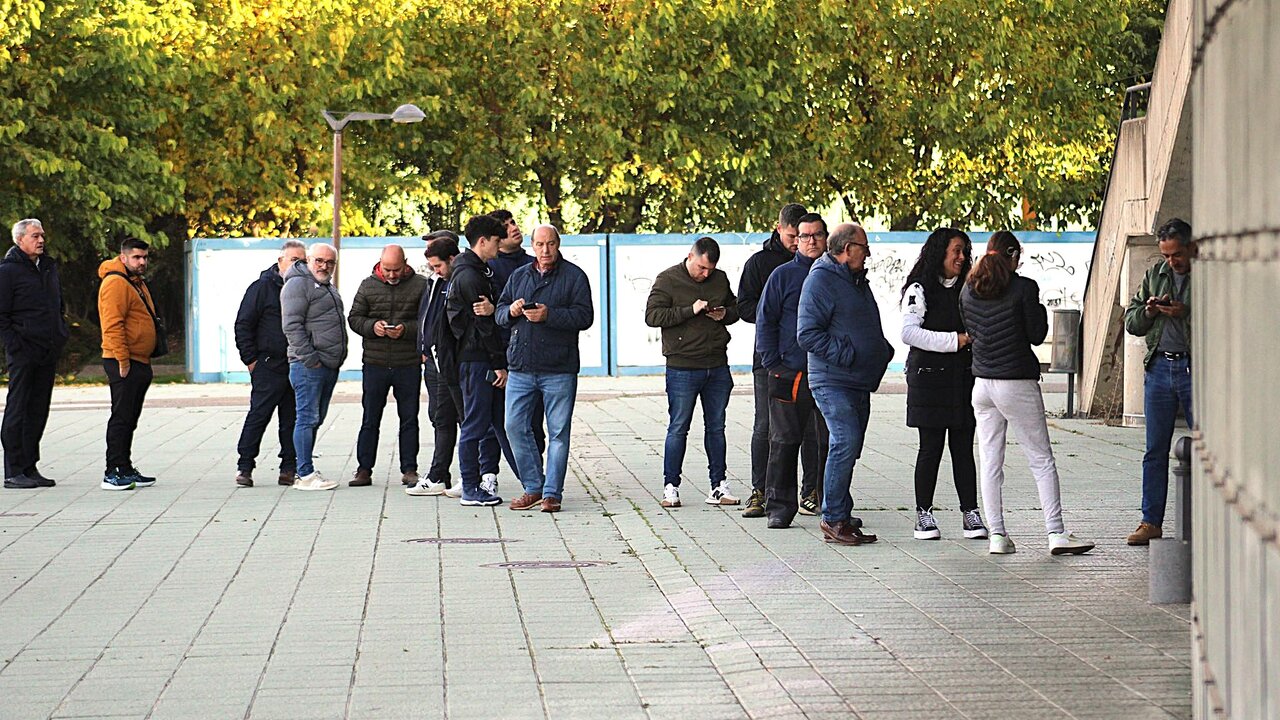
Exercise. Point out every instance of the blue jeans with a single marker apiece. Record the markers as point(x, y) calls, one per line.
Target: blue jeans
point(403, 383)
point(526, 393)
point(312, 389)
point(847, 413)
point(684, 387)
point(482, 425)
point(1167, 385)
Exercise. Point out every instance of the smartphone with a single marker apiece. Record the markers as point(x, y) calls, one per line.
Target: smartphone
point(1160, 301)
point(532, 306)
point(717, 308)
point(491, 377)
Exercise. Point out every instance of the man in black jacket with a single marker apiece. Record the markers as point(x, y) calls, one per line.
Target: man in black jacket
point(34, 332)
point(439, 352)
point(482, 360)
point(779, 249)
point(263, 349)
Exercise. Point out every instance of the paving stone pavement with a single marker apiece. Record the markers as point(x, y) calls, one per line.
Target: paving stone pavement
point(196, 599)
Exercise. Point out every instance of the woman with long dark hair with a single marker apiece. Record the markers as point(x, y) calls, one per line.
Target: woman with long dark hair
point(939, 381)
point(1004, 317)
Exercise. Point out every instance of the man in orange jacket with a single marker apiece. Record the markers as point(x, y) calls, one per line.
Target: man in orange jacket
point(128, 321)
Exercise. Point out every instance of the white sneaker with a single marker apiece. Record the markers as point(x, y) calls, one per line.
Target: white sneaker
point(720, 495)
point(670, 496)
point(314, 481)
point(1067, 544)
point(489, 483)
point(454, 491)
point(1001, 545)
point(425, 487)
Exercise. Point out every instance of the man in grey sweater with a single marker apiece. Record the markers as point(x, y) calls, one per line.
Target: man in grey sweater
point(312, 317)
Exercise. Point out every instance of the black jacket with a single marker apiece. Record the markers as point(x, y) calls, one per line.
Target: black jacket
point(259, 336)
point(756, 273)
point(435, 339)
point(377, 299)
point(1004, 329)
point(550, 346)
point(31, 322)
point(478, 336)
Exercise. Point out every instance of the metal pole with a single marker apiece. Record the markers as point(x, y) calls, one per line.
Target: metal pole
point(337, 199)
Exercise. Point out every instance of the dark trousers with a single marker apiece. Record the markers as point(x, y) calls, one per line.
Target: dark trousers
point(127, 395)
point(402, 382)
point(810, 458)
point(270, 393)
point(963, 471)
point(483, 416)
point(791, 423)
point(444, 409)
point(26, 411)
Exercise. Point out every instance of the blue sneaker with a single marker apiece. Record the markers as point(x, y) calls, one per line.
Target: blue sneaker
point(115, 480)
point(479, 497)
point(138, 478)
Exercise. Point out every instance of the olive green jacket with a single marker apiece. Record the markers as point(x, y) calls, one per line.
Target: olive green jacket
point(1157, 282)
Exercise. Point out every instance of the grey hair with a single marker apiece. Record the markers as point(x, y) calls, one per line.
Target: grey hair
point(291, 243)
point(311, 251)
point(20, 227)
point(843, 236)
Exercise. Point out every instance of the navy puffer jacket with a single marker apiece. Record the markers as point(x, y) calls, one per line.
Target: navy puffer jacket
point(838, 324)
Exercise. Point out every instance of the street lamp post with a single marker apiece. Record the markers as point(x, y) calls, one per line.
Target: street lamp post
point(403, 114)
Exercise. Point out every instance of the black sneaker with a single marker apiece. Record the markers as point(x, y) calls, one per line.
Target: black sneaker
point(973, 527)
point(115, 480)
point(138, 479)
point(43, 481)
point(926, 526)
point(21, 482)
point(809, 504)
point(755, 505)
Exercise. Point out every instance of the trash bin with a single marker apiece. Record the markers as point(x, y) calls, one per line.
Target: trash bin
point(1064, 356)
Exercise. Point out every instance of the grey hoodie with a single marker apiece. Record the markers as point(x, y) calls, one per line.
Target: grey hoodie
point(313, 319)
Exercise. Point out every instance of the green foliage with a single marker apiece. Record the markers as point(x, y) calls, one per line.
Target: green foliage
point(203, 117)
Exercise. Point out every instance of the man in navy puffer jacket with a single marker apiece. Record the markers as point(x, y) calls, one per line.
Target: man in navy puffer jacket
point(544, 305)
point(838, 324)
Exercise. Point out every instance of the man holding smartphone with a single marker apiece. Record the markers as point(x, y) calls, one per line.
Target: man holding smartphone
point(1161, 313)
point(384, 313)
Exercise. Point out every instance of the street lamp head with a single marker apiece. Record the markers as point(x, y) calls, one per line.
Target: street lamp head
point(408, 113)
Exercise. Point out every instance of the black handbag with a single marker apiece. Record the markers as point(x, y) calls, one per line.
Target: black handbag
point(162, 332)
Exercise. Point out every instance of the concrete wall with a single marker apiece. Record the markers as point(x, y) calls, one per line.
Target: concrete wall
point(1235, 70)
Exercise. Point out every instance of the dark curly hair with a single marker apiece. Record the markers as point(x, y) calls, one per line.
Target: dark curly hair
point(928, 266)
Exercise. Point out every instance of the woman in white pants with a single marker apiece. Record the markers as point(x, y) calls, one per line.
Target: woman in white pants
point(1004, 317)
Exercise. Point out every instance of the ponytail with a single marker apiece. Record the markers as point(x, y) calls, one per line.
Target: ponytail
point(993, 272)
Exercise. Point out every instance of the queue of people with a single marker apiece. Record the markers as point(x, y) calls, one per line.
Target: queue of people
point(494, 333)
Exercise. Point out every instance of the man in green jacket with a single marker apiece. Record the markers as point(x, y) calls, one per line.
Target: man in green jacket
point(693, 304)
point(385, 314)
point(1161, 312)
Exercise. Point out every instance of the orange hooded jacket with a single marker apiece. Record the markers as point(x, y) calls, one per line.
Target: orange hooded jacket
point(128, 333)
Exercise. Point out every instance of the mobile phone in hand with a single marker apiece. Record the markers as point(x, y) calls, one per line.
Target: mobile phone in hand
point(491, 377)
point(1162, 301)
point(532, 306)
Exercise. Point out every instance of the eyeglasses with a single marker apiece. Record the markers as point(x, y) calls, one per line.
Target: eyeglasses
point(812, 236)
point(324, 263)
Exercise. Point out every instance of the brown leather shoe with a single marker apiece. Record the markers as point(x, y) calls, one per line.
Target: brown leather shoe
point(527, 501)
point(550, 504)
point(362, 478)
point(287, 477)
point(409, 478)
point(1145, 533)
point(844, 533)
point(244, 478)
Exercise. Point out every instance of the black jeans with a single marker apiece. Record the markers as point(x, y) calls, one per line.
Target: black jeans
point(403, 383)
point(962, 468)
point(271, 393)
point(810, 458)
point(444, 409)
point(26, 411)
point(790, 424)
point(127, 395)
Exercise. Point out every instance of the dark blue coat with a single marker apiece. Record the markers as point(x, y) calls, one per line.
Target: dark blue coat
point(505, 265)
point(550, 346)
point(259, 334)
point(31, 322)
point(776, 316)
point(839, 325)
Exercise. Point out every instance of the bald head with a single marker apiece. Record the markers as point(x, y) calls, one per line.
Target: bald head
point(546, 246)
point(393, 264)
point(848, 244)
